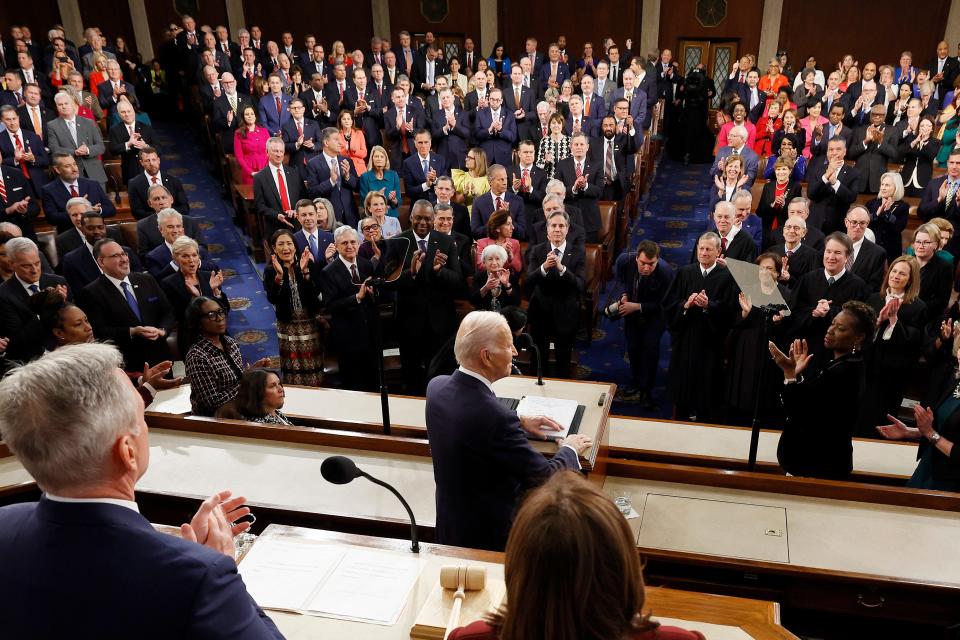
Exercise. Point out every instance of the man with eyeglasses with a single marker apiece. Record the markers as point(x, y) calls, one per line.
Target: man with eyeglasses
point(129, 309)
point(868, 260)
point(443, 223)
point(941, 194)
point(797, 257)
point(79, 266)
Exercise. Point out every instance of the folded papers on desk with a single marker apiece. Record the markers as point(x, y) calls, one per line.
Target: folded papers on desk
point(567, 413)
point(330, 580)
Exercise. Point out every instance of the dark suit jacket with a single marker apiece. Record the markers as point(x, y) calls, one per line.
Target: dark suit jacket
point(55, 197)
point(45, 117)
point(563, 73)
point(414, 178)
point(138, 186)
point(931, 207)
point(426, 301)
point(148, 233)
point(870, 265)
point(41, 163)
point(555, 296)
point(324, 239)
point(498, 146)
point(19, 322)
point(919, 160)
point(585, 199)
point(482, 462)
point(129, 158)
point(350, 321)
point(538, 235)
point(451, 143)
point(419, 72)
point(528, 102)
point(532, 197)
point(201, 592)
point(300, 157)
point(828, 207)
point(767, 212)
point(18, 189)
point(109, 103)
point(638, 104)
point(393, 137)
point(180, 297)
point(483, 208)
point(267, 198)
point(340, 194)
point(218, 118)
point(71, 239)
point(111, 317)
point(871, 158)
point(820, 148)
point(80, 268)
point(623, 149)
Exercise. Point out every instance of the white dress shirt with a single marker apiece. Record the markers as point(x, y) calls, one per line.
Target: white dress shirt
point(115, 501)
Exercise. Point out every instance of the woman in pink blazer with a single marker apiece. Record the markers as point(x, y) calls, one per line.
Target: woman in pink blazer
point(250, 145)
point(352, 143)
point(811, 122)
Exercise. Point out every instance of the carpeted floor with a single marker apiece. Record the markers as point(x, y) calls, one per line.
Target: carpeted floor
point(674, 214)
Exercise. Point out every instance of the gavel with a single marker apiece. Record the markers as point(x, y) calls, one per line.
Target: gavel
point(462, 578)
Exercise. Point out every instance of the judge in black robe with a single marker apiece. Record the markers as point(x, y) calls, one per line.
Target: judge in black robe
point(698, 326)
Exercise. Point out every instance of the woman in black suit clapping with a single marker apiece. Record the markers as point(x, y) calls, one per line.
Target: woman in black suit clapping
point(889, 214)
point(190, 281)
point(775, 198)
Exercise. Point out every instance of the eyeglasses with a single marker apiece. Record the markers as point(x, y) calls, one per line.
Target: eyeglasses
point(858, 223)
point(793, 227)
point(220, 314)
point(122, 254)
point(924, 243)
point(370, 227)
point(470, 158)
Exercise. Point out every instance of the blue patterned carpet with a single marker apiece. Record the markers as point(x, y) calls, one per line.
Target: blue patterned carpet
point(674, 215)
point(252, 320)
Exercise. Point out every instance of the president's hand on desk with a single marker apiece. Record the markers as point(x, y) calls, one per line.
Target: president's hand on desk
point(216, 523)
point(541, 426)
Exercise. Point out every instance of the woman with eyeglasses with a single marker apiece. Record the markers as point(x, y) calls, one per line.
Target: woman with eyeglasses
point(373, 243)
point(471, 183)
point(375, 205)
point(213, 362)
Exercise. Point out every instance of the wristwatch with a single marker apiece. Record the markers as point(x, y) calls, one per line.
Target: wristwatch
point(934, 438)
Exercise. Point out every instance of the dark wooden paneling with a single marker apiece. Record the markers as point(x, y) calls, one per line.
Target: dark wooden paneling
point(579, 22)
point(463, 17)
point(39, 15)
point(112, 19)
point(862, 30)
point(678, 21)
point(161, 14)
point(350, 22)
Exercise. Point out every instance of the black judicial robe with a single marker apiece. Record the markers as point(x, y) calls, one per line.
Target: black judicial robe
point(936, 280)
point(697, 336)
point(814, 287)
point(804, 260)
point(821, 412)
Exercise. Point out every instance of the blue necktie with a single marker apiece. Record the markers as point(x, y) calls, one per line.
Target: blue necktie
point(313, 246)
point(426, 167)
point(34, 288)
point(131, 300)
point(423, 245)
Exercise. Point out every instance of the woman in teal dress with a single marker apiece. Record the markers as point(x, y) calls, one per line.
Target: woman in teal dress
point(380, 177)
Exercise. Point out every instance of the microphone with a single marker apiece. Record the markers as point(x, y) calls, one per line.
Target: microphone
point(536, 353)
point(343, 470)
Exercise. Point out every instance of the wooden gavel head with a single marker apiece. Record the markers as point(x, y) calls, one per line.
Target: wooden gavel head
point(464, 577)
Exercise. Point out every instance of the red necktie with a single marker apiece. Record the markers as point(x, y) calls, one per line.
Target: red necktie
point(544, 127)
point(154, 180)
point(579, 170)
point(499, 203)
point(73, 191)
point(299, 129)
point(742, 78)
point(723, 245)
point(278, 107)
point(523, 179)
point(3, 190)
point(469, 60)
point(403, 138)
point(23, 163)
point(586, 107)
point(340, 88)
point(282, 186)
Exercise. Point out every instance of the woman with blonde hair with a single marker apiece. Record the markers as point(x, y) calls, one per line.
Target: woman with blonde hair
point(936, 274)
point(572, 572)
point(380, 177)
point(471, 182)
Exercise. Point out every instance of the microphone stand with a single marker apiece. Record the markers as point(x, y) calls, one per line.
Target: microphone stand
point(767, 311)
point(375, 285)
point(536, 352)
point(414, 539)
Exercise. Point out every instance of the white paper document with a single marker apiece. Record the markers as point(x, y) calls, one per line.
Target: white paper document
point(557, 409)
point(333, 581)
point(174, 401)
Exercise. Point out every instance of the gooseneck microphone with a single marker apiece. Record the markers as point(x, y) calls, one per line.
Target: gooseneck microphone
point(536, 352)
point(342, 470)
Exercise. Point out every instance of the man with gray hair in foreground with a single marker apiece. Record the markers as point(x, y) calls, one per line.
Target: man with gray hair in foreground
point(75, 422)
point(482, 461)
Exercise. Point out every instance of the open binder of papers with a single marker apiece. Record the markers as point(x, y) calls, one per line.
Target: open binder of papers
point(567, 413)
point(329, 580)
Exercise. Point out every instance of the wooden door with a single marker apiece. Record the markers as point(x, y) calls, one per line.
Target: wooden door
point(716, 56)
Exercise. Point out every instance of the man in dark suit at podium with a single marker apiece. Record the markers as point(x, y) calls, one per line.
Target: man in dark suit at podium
point(482, 461)
point(87, 521)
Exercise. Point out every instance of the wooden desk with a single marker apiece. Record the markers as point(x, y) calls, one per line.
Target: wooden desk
point(727, 447)
point(360, 411)
point(718, 617)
